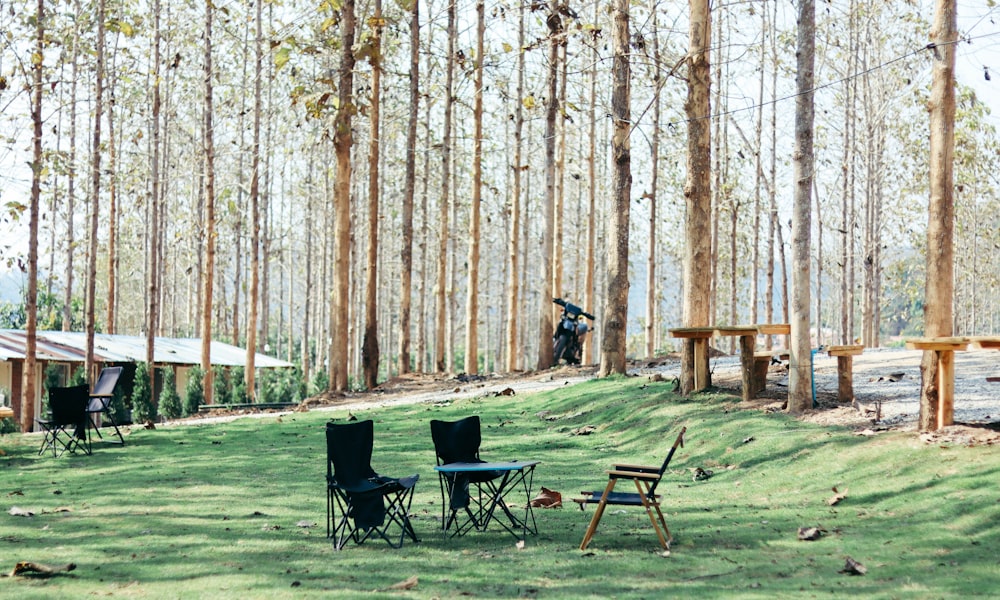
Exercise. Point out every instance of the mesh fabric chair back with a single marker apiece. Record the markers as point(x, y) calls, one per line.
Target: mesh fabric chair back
point(68, 405)
point(107, 381)
point(349, 452)
point(457, 441)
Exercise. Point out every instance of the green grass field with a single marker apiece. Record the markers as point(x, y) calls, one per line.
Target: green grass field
point(215, 511)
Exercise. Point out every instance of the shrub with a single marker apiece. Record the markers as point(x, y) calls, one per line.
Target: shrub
point(238, 386)
point(194, 393)
point(170, 400)
point(143, 408)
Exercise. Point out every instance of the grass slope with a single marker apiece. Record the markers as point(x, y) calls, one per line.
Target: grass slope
point(214, 511)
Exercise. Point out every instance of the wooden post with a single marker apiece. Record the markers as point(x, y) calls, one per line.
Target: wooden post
point(845, 369)
point(747, 343)
point(696, 347)
point(946, 387)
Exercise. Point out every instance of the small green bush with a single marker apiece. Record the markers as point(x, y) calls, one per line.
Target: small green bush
point(170, 400)
point(194, 393)
point(143, 408)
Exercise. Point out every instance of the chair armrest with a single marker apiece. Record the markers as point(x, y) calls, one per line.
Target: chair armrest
point(640, 468)
point(633, 475)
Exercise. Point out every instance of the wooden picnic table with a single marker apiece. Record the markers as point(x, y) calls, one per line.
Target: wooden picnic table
point(944, 349)
point(845, 369)
point(699, 336)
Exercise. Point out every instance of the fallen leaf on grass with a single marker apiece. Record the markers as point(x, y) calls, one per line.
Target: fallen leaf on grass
point(26, 567)
point(853, 567)
point(837, 497)
point(306, 524)
point(810, 534)
point(16, 511)
point(406, 584)
point(585, 430)
point(519, 545)
point(16, 493)
point(547, 499)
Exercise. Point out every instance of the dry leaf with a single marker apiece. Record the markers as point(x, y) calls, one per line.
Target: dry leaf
point(16, 511)
point(547, 499)
point(407, 584)
point(585, 430)
point(853, 567)
point(837, 497)
point(25, 567)
point(809, 534)
point(519, 545)
point(306, 524)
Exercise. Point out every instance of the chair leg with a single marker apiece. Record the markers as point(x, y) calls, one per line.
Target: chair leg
point(592, 528)
point(650, 506)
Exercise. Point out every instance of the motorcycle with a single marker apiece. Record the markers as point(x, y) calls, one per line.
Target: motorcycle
point(567, 341)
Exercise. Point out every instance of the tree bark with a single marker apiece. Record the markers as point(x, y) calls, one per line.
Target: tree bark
point(514, 247)
point(152, 277)
point(409, 191)
point(800, 368)
point(342, 142)
point(941, 214)
point(554, 23)
point(208, 274)
point(369, 347)
point(441, 287)
point(250, 368)
point(472, 263)
point(697, 188)
point(613, 344)
point(654, 150)
point(95, 190)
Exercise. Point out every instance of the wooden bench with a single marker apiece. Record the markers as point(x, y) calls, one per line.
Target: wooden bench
point(944, 349)
point(698, 337)
point(845, 369)
point(761, 363)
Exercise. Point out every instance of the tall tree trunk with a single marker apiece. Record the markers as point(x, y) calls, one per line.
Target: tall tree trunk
point(800, 368)
point(941, 214)
point(112, 296)
point(342, 142)
point(472, 264)
point(554, 23)
point(28, 388)
point(208, 273)
point(67, 321)
point(514, 247)
point(697, 188)
point(409, 191)
point(654, 150)
point(369, 348)
point(441, 287)
point(589, 289)
point(250, 368)
point(616, 309)
point(95, 182)
point(152, 277)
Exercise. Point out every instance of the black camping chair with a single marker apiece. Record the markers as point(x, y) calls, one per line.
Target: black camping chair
point(646, 479)
point(99, 408)
point(458, 442)
point(66, 428)
point(369, 504)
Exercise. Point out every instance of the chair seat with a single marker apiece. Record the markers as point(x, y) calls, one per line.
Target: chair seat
point(619, 498)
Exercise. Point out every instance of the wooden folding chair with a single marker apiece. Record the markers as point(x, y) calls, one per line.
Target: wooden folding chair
point(645, 479)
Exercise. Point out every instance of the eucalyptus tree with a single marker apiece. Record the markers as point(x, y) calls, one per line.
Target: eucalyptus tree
point(941, 208)
point(208, 148)
point(613, 345)
point(475, 212)
point(409, 191)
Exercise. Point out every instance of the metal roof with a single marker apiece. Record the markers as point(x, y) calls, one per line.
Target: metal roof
point(71, 346)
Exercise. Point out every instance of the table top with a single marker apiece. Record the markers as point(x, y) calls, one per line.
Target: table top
point(6, 412)
point(464, 467)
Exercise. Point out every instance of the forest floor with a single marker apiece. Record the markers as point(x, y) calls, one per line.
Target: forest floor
point(886, 389)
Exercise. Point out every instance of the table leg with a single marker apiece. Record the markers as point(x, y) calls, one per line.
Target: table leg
point(747, 343)
point(845, 378)
point(946, 388)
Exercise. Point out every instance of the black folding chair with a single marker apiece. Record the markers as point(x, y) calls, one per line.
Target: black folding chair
point(645, 478)
point(469, 491)
point(369, 504)
point(66, 428)
point(99, 407)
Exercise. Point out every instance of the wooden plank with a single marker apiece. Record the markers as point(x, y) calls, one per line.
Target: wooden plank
point(946, 388)
point(746, 362)
point(735, 331)
point(845, 350)
point(692, 332)
point(845, 378)
point(985, 342)
point(701, 373)
point(6, 412)
point(774, 328)
point(938, 344)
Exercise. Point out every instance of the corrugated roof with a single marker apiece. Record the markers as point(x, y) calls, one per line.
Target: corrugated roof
point(71, 346)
